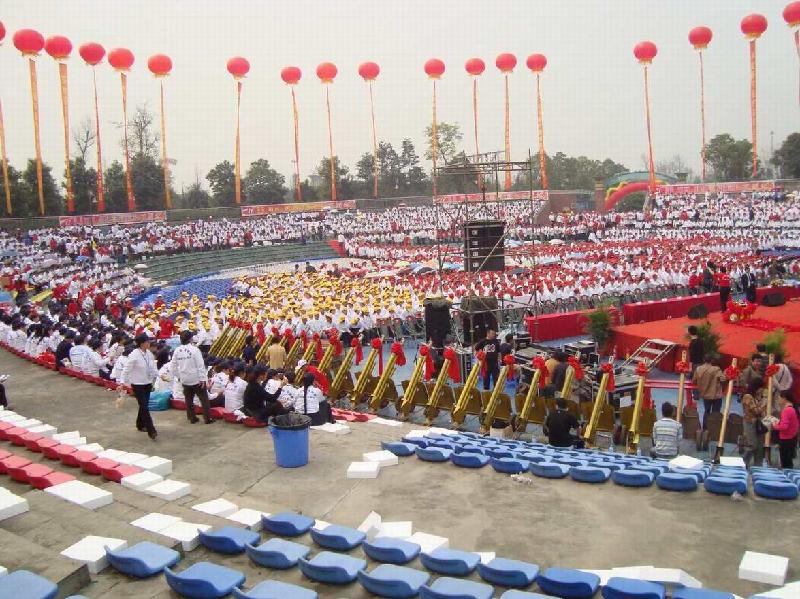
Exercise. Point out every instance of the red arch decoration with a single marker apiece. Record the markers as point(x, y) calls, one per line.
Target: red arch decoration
point(615, 194)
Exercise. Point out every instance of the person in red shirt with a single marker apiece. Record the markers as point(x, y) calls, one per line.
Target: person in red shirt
point(159, 303)
point(723, 280)
point(787, 428)
point(694, 283)
point(72, 307)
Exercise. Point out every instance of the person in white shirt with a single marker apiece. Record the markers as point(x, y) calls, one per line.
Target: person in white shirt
point(78, 353)
point(219, 381)
point(234, 390)
point(189, 370)
point(140, 372)
point(311, 401)
point(93, 363)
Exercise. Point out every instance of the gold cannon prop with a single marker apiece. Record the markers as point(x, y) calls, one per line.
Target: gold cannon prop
point(599, 403)
point(361, 388)
point(291, 357)
point(469, 400)
point(261, 354)
point(435, 393)
point(726, 411)
point(681, 388)
point(413, 391)
point(233, 343)
point(385, 386)
point(498, 401)
point(632, 437)
point(325, 361)
point(566, 390)
point(307, 355)
point(214, 350)
point(527, 413)
point(342, 380)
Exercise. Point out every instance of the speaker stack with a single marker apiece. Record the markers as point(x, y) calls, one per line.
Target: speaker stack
point(479, 317)
point(437, 320)
point(484, 249)
point(773, 299)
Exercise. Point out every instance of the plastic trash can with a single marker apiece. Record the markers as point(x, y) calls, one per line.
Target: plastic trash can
point(290, 439)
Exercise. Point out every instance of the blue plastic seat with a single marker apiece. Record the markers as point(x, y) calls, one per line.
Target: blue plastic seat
point(143, 560)
point(689, 593)
point(442, 444)
point(618, 587)
point(510, 465)
point(723, 485)
point(399, 448)
point(273, 589)
point(589, 474)
point(433, 454)
point(672, 481)
point(287, 524)
point(569, 461)
point(204, 580)
point(515, 594)
point(699, 474)
point(418, 441)
point(390, 550)
point(456, 588)
point(388, 580)
point(338, 538)
point(469, 460)
point(654, 469)
point(549, 470)
point(508, 572)
point(470, 448)
point(775, 489)
point(613, 466)
point(277, 553)
point(501, 453)
point(450, 562)
point(332, 568)
point(23, 584)
point(633, 478)
point(532, 456)
point(229, 539)
point(569, 584)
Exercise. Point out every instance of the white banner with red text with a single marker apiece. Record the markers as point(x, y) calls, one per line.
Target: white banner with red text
point(112, 218)
point(503, 196)
point(729, 187)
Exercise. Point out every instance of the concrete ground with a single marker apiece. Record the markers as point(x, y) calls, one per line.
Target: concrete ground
point(561, 523)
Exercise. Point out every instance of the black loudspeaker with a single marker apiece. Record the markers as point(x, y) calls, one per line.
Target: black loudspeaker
point(698, 311)
point(437, 320)
point(776, 298)
point(484, 249)
point(476, 325)
point(477, 303)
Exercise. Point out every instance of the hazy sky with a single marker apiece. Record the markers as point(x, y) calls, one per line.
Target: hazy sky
point(593, 99)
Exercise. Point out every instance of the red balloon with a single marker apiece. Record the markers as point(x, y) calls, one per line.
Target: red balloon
point(326, 71)
point(700, 37)
point(2, 31)
point(475, 66)
point(28, 41)
point(791, 14)
point(238, 67)
point(291, 75)
point(369, 71)
point(434, 68)
point(754, 25)
point(159, 64)
point(536, 62)
point(506, 62)
point(58, 47)
point(92, 53)
point(645, 52)
point(121, 59)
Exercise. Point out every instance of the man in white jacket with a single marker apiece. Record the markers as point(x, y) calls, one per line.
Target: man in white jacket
point(140, 372)
point(189, 368)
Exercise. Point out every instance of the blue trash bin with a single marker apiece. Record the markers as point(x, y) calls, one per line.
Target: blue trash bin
point(290, 441)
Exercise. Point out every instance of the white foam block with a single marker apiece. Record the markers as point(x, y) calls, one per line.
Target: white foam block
point(61, 437)
point(82, 494)
point(363, 470)
point(790, 591)
point(130, 458)
point(3, 571)
point(169, 490)
point(416, 434)
point(12, 505)
point(397, 530)
point(321, 525)
point(141, 480)
point(371, 525)
point(111, 454)
point(155, 522)
point(384, 421)
point(217, 507)
point(186, 533)
point(250, 518)
point(762, 567)
point(429, 542)
point(91, 551)
point(603, 574)
point(487, 556)
point(336, 429)
point(156, 464)
point(735, 461)
point(669, 577)
point(12, 417)
point(28, 423)
point(45, 430)
point(74, 441)
point(436, 431)
point(382, 458)
point(686, 461)
point(93, 447)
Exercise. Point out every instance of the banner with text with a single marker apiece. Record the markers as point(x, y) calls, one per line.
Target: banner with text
point(114, 218)
point(503, 196)
point(730, 187)
point(263, 209)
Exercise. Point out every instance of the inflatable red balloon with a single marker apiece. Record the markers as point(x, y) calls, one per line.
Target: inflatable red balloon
point(2, 31)
point(791, 14)
point(28, 41)
point(506, 62)
point(291, 75)
point(159, 64)
point(434, 68)
point(475, 66)
point(58, 47)
point(327, 71)
point(121, 59)
point(369, 71)
point(753, 26)
point(700, 37)
point(238, 67)
point(92, 53)
point(645, 52)
point(536, 62)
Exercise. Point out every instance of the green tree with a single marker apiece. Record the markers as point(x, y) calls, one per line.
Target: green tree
point(568, 172)
point(84, 185)
point(263, 184)
point(729, 159)
point(222, 181)
point(448, 137)
point(345, 186)
point(787, 157)
point(13, 183)
point(631, 203)
point(308, 192)
point(115, 191)
point(148, 182)
point(195, 197)
point(29, 192)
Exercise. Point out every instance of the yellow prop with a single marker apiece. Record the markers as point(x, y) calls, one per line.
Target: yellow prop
point(681, 389)
point(460, 409)
point(599, 402)
point(383, 384)
point(494, 400)
point(632, 442)
point(725, 412)
point(406, 403)
point(364, 376)
point(530, 399)
point(432, 410)
point(343, 371)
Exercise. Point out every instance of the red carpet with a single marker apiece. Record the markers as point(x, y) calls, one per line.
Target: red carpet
point(337, 247)
point(737, 341)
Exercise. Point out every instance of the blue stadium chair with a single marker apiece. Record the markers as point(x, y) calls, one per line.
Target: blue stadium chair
point(631, 477)
point(775, 489)
point(398, 448)
point(723, 485)
point(277, 553)
point(22, 584)
point(550, 470)
point(143, 560)
point(672, 481)
point(589, 474)
point(514, 594)
point(508, 572)
point(568, 584)
point(204, 580)
point(390, 550)
point(450, 562)
point(338, 538)
point(629, 588)
point(397, 582)
point(273, 589)
point(433, 454)
point(510, 465)
point(229, 539)
point(469, 460)
point(688, 593)
point(456, 588)
point(287, 524)
point(332, 568)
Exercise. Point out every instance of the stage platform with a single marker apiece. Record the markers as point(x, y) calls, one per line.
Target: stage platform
point(737, 341)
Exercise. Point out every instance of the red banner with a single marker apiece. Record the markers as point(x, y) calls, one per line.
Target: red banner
point(121, 218)
point(262, 209)
point(733, 187)
point(503, 196)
